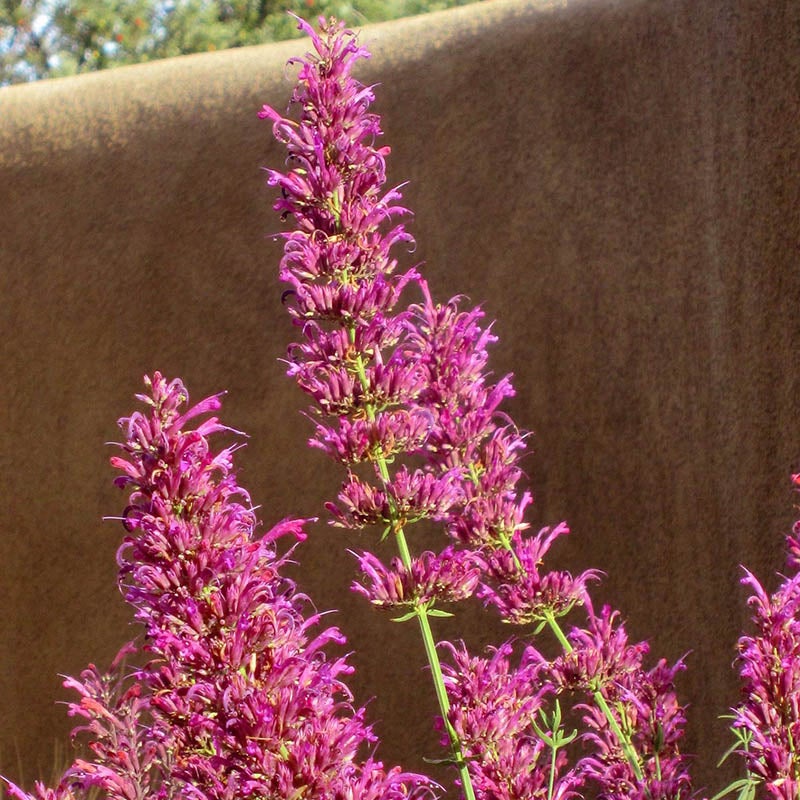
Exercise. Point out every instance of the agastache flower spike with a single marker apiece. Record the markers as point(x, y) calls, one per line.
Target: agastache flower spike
point(634, 722)
point(768, 718)
point(255, 704)
point(470, 432)
point(240, 696)
point(407, 391)
point(337, 262)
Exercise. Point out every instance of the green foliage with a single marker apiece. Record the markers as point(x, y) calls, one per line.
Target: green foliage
point(51, 38)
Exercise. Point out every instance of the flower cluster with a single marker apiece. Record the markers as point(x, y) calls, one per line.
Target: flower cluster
point(767, 721)
point(401, 395)
point(468, 432)
point(239, 696)
point(130, 750)
point(515, 748)
point(600, 661)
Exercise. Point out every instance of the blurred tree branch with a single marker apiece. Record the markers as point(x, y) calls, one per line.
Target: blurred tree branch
point(52, 38)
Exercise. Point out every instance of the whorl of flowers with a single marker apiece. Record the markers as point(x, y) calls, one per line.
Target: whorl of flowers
point(239, 698)
point(601, 662)
point(516, 749)
point(768, 719)
point(521, 592)
point(450, 576)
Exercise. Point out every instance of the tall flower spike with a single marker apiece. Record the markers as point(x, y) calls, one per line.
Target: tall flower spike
point(353, 361)
point(240, 697)
point(337, 260)
point(468, 432)
point(254, 703)
point(407, 392)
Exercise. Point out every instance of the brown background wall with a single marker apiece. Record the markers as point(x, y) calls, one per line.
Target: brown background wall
point(616, 182)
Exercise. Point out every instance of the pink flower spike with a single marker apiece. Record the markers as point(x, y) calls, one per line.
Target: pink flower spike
point(223, 703)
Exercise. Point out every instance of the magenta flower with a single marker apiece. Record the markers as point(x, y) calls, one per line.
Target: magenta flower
point(521, 591)
point(407, 497)
point(446, 577)
point(768, 718)
point(359, 440)
point(240, 696)
point(337, 260)
point(130, 748)
point(647, 707)
point(468, 432)
point(43, 792)
point(452, 348)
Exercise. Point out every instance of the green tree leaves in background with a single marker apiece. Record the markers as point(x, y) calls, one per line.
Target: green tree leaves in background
point(51, 38)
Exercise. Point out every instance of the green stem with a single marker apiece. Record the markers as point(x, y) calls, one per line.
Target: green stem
point(627, 746)
point(420, 609)
point(551, 782)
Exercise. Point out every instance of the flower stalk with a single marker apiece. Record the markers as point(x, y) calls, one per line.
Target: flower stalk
point(240, 694)
point(352, 360)
point(421, 611)
point(394, 387)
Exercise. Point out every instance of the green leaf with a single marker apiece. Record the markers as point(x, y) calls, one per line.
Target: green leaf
point(727, 754)
point(540, 626)
point(745, 786)
point(405, 617)
point(742, 737)
point(437, 612)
